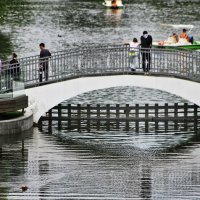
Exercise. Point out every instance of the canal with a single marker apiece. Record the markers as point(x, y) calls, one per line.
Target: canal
point(97, 165)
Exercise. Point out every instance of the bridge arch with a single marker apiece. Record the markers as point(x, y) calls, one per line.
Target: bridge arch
point(43, 98)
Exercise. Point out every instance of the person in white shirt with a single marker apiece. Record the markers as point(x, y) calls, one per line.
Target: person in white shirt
point(1, 65)
point(134, 54)
point(1, 69)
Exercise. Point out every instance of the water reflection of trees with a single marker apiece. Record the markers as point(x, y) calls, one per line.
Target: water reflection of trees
point(13, 13)
point(6, 46)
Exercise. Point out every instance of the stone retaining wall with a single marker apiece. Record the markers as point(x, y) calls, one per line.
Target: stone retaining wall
point(17, 125)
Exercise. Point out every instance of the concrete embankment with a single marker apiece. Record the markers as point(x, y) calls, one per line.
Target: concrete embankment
point(17, 125)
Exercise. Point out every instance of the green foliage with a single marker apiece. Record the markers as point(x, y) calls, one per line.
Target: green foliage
point(5, 46)
point(11, 115)
point(11, 12)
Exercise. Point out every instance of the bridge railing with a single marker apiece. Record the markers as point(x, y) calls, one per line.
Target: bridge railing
point(179, 63)
point(79, 62)
point(103, 59)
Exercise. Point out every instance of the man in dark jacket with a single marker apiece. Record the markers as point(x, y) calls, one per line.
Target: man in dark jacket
point(44, 62)
point(146, 44)
point(14, 67)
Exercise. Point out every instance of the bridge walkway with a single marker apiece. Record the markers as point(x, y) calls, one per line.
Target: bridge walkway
point(82, 64)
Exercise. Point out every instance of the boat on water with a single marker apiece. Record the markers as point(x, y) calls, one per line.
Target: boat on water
point(179, 45)
point(113, 4)
point(174, 42)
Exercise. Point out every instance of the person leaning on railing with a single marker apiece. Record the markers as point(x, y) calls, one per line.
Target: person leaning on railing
point(146, 44)
point(134, 54)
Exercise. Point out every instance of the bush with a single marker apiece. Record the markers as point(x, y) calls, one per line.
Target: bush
point(11, 115)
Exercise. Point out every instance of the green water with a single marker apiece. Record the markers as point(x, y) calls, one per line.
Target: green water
point(98, 165)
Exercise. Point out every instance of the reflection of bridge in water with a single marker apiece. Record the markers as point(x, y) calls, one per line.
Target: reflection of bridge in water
point(138, 118)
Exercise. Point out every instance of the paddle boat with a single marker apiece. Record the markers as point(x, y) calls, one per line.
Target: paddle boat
point(174, 42)
point(113, 4)
point(182, 44)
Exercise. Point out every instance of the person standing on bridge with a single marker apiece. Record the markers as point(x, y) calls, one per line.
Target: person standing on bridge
point(1, 70)
point(134, 54)
point(146, 44)
point(14, 67)
point(44, 62)
point(1, 66)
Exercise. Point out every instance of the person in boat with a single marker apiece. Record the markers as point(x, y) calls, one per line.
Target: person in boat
point(184, 35)
point(175, 36)
point(146, 44)
point(114, 3)
point(134, 54)
point(173, 39)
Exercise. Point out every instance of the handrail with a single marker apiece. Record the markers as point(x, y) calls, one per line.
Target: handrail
point(103, 59)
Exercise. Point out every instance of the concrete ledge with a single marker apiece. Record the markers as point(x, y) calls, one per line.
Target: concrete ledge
point(17, 125)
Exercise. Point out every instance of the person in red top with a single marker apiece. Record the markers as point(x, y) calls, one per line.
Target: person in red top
point(185, 35)
point(114, 3)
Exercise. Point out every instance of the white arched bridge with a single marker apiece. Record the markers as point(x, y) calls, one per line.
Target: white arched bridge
point(80, 70)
